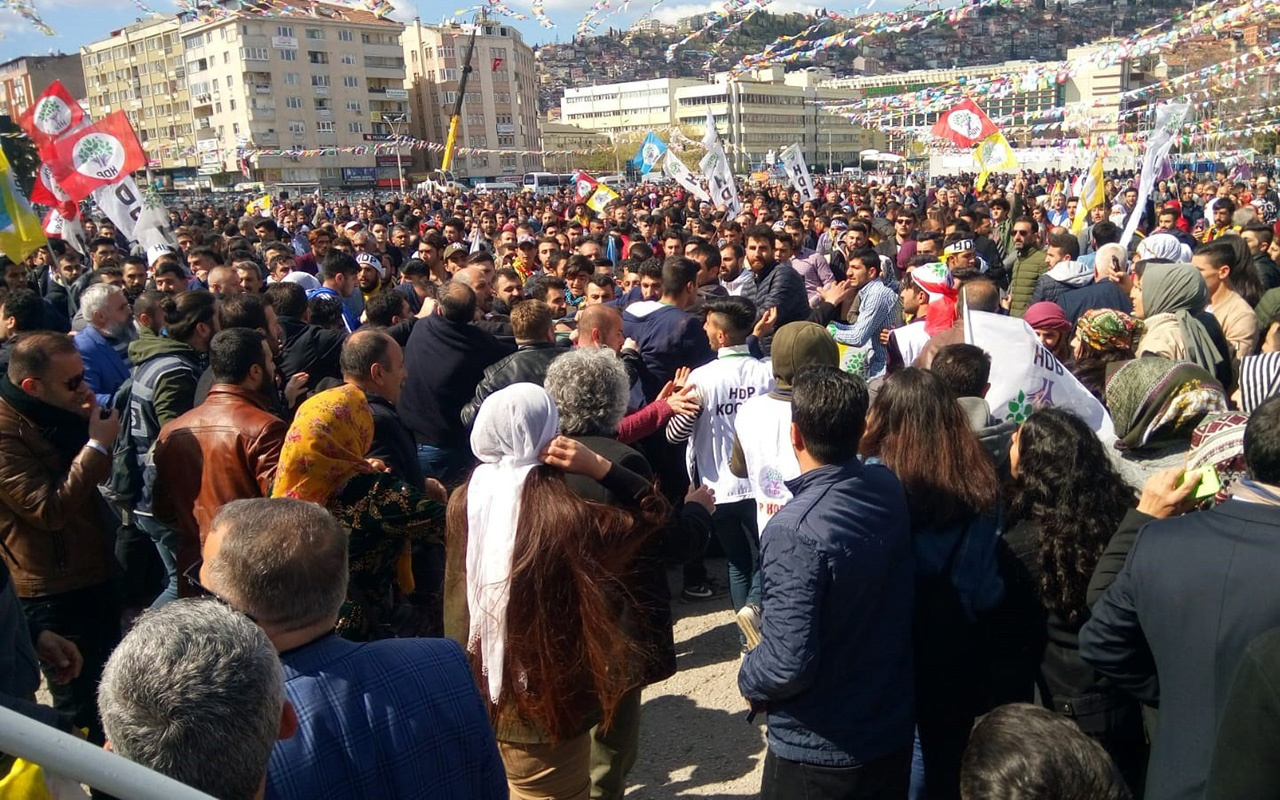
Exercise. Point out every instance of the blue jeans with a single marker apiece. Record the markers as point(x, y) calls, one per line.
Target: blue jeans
point(448, 465)
point(735, 528)
point(167, 546)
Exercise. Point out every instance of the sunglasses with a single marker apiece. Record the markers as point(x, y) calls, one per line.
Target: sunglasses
point(1022, 233)
point(74, 382)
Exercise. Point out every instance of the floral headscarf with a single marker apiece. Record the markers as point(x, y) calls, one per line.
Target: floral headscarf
point(1107, 330)
point(325, 446)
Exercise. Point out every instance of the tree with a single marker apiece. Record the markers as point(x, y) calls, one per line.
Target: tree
point(21, 153)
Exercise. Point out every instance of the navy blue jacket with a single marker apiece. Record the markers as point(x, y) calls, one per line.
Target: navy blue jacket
point(446, 360)
point(834, 670)
point(1099, 294)
point(1173, 627)
point(668, 338)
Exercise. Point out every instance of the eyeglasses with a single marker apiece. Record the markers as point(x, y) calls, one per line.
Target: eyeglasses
point(1021, 233)
point(192, 576)
point(74, 382)
point(903, 221)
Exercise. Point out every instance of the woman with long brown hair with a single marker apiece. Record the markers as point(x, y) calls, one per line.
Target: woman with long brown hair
point(917, 429)
point(534, 589)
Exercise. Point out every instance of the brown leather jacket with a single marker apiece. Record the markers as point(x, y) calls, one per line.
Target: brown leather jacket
point(224, 449)
point(54, 524)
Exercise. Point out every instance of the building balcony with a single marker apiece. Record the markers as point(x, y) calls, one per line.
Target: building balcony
point(321, 91)
point(262, 113)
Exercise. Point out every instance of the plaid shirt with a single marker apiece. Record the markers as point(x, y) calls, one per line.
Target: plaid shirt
point(397, 718)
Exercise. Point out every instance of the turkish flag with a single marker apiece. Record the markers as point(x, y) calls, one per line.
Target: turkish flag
point(54, 113)
point(96, 155)
point(583, 187)
point(497, 64)
point(966, 125)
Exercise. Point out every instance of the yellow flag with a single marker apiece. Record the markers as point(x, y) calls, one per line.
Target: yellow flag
point(993, 153)
point(1093, 192)
point(260, 206)
point(20, 229)
point(602, 196)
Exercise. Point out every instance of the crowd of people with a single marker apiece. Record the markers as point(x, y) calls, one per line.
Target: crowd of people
point(393, 498)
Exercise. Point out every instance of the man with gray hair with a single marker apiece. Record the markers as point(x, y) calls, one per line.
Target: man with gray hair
point(391, 718)
point(106, 309)
point(195, 692)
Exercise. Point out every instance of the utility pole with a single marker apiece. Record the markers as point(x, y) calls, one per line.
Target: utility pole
point(394, 121)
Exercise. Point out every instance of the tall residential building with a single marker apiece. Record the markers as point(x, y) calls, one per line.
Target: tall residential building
point(140, 69)
point(757, 113)
point(309, 76)
point(500, 106)
point(24, 79)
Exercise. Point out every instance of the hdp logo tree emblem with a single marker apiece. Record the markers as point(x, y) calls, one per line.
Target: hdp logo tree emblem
point(53, 116)
point(99, 155)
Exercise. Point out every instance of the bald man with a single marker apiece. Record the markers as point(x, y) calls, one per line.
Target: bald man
point(980, 294)
point(446, 357)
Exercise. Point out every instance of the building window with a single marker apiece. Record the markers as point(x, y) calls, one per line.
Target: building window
point(297, 126)
point(448, 74)
point(253, 53)
point(293, 102)
point(233, 105)
point(315, 33)
point(325, 126)
point(284, 30)
point(346, 36)
point(287, 55)
point(235, 128)
point(350, 81)
point(349, 58)
point(506, 141)
point(354, 106)
point(291, 79)
point(355, 127)
point(317, 57)
point(319, 80)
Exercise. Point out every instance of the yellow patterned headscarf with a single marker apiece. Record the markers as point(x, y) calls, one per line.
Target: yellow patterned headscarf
point(325, 446)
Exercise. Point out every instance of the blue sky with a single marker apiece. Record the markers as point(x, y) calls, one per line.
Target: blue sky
point(77, 22)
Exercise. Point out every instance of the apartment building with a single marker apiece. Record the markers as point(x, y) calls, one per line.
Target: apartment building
point(139, 68)
point(500, 105)
point(24, 79)
point(757, 113)
point(308, 77)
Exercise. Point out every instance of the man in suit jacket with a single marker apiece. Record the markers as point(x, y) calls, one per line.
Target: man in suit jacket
point(1195, 590)
point(391, 718)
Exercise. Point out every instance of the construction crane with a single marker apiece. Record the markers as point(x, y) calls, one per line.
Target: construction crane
point(455, 120)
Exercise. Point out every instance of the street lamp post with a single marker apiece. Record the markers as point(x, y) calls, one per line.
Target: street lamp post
point(394, 121)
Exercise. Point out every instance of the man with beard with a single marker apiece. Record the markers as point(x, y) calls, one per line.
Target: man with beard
point(135, 278)
point(773, 285)
point(224, 449)
point(107, 311)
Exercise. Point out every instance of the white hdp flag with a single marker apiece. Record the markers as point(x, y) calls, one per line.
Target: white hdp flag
point(674, 169)
point(1026, 376)
point(720, 184)
point(798, 171)
point(138, 215)
point(1169, 118)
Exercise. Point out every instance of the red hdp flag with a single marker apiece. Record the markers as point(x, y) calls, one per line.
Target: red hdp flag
point(966, 124)
point(53, 114)
point(96, 155)
point(46, 190)
point(583, 187)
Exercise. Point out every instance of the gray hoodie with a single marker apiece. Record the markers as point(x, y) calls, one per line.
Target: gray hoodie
point(1064, 277)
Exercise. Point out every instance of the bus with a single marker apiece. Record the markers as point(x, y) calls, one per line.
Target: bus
point(546, 182)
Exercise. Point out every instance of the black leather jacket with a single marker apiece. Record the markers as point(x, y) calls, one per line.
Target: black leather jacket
point(528, 364)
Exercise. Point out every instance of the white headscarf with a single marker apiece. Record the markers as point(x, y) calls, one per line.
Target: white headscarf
point(511, 430)
point(1164, 245)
